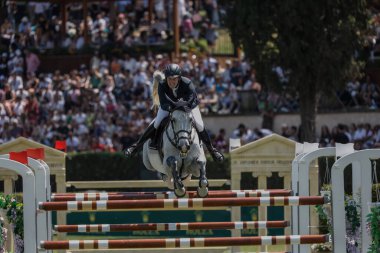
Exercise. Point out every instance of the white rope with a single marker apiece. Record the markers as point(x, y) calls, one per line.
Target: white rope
point(326, 179)
point(374, 176)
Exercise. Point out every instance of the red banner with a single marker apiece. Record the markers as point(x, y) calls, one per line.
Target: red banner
point(60, 145)
point(36, 153)
point(21, 157)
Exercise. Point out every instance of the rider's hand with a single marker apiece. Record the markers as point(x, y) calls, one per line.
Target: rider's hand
point(181, 102)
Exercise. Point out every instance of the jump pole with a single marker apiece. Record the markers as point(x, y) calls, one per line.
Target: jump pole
point(183, 242)
point(180, 203)
point(166, 195)
point(170, 226)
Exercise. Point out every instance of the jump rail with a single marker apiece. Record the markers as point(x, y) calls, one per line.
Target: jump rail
point(166, 195)
point(170, 226)
point(183, 242)
point(138, 184)
point(180, 203)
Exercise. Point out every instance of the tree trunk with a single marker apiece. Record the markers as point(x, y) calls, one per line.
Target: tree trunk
point(308, 113)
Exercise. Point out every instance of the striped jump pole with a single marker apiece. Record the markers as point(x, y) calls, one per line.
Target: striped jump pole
point(170, 226)
point(182, 242)
point(166, 195)
point(181, 203)
point(162, 192)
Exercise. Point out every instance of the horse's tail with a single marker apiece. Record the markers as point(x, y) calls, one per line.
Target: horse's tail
point(158, 76)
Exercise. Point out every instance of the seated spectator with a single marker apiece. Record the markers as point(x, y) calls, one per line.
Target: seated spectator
point(245, 134)
point(220, 141)
point(325, 137)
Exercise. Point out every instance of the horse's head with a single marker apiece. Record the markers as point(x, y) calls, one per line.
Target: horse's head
point(182, 125)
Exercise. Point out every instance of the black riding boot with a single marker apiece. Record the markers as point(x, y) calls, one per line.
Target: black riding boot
point(216, 154)
point(156, 138)
point(149, 133)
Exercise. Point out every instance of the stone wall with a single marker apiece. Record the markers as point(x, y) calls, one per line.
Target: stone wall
point(214, 123)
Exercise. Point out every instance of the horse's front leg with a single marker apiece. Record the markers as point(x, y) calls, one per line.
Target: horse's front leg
point(202, 189)
point(179, 188)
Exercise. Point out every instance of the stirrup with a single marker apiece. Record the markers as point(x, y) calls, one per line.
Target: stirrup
point(131, 151)
point(217, 156)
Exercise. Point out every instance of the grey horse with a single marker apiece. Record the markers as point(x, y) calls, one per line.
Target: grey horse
point(182, 154)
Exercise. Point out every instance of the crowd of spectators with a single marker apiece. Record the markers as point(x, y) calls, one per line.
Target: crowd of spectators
point(363, 135)
point(105, 105)
point(122, 23)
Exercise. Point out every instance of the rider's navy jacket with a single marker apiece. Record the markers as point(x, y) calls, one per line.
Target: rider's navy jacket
point(185, 90)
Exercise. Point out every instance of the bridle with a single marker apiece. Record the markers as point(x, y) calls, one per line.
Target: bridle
point(175, 141)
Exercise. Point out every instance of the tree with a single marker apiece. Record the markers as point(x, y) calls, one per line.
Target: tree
point(316, 42)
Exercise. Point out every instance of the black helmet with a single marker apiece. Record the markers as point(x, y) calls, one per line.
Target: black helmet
point(172, 70)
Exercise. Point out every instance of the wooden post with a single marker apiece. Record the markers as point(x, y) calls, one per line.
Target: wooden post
point(150, 11)
point(63, 17)
point(85, 13)
point(175, 28)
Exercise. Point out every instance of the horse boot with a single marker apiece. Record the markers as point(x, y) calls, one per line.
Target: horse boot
point(216, 154)
point(156, 138)
point(149, 133)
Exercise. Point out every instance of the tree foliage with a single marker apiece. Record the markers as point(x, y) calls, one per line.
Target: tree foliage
point(317, 42)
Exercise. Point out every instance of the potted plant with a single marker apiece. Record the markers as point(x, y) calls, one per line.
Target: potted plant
point(3, 234)
point(14, 214)
point(321, 247)
point(373, 225)
point(326, 190)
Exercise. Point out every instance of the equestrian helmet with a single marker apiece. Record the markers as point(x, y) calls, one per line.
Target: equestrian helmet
point(172, 70)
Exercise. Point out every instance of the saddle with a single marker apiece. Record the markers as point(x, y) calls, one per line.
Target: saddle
point(164, 123)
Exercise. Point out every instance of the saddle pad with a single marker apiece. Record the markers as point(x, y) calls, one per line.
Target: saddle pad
point(156, 160)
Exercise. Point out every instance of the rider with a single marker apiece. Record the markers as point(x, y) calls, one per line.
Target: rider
point(181, 90)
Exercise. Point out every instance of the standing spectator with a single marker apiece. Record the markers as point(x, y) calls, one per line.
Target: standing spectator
point(32, 62)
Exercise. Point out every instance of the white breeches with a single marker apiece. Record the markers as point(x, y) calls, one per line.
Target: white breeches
point(161, 114)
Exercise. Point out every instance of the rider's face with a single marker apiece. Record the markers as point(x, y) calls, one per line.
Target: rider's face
point(173, 81)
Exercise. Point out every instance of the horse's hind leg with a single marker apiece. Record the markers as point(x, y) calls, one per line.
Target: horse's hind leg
point(179, 188)
point(202, 189)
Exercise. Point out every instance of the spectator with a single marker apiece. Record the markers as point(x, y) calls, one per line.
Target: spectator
point(325, 137)
point(245, 134)
point(32, 62)
point(220, 141)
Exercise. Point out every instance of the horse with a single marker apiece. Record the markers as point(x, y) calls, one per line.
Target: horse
point(181, 154)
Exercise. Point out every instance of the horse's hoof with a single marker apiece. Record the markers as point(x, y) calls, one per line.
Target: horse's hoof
point(180, 192)
point(164, 177)
point(203, 183)
point(202, 192)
